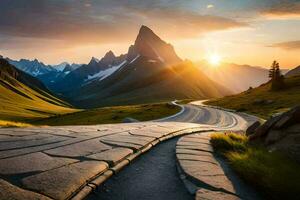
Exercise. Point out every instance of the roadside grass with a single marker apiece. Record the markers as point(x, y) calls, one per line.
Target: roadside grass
point(5, 124)
point(279, 101)
point(186, 101)
point(273, 174)
point(107, 115)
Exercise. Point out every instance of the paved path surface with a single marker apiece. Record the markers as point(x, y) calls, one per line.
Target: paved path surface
point(152, 176)
point(66, 162)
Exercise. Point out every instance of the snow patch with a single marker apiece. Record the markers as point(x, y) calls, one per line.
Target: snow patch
point(105, 73)
point(135, 58)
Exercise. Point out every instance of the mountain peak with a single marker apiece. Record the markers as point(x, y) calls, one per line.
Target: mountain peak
point(109, 55)
point(145, 30)
point(145, 33)
point(149, 45)
point(109, 58)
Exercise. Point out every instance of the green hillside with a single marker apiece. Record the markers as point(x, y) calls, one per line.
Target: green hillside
point(23, 97)
point(263, 102)
point(115, 114)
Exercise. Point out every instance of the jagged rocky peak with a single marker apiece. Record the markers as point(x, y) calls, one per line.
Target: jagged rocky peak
point(93, 61)
point(149, 45)
point(109, 58)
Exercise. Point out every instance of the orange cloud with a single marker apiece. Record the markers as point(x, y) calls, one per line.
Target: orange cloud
point(290, 45)
point(283, 10)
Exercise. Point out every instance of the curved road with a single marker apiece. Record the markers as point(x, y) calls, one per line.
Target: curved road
point(154, 175)
point(195, 112)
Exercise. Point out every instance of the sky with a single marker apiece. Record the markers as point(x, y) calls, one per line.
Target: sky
point(253, 32)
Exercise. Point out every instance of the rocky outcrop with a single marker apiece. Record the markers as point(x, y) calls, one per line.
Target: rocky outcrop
point(281, 132)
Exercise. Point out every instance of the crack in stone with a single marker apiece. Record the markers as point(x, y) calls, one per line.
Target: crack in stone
point(187, 159)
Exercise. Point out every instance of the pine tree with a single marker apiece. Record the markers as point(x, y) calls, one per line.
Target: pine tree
point(277, 79)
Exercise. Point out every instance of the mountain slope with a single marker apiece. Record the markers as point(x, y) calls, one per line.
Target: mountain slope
point(144, 82)
point(293, 72)
point(24, 97)
point(236, 77)
point(263, 102)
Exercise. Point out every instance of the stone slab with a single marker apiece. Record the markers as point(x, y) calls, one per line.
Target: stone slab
point(139, 140)
point(203, 194)
point(202, 160)
point(112, 156)
point(192, 152)
point(79, 149)
point(200, 147)
point(12, 192)
point(62, 182)
point(198, 168)
point(34, 162)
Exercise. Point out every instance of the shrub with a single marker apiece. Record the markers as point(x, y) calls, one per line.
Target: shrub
point(228, 142)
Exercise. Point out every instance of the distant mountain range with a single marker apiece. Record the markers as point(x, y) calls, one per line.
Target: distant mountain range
point(24, 96)
point(150, 71)
point(236, 77)
point(46, 73)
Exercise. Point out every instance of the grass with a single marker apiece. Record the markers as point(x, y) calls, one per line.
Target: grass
point(20, 103)
point(280, 100)
point(272, 173)
point(4, 123)
point(114, 114)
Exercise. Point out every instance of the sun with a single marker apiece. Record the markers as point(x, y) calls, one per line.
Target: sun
point(214, 59)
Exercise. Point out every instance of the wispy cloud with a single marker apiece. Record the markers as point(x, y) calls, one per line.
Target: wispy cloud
point(284, 9)
point(290, 45)
point(102, 21)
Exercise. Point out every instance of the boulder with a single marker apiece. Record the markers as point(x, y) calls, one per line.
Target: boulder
point(281, 133)
point(274, 136)
point(252, 128)
point(289, 118)
point(263, 129)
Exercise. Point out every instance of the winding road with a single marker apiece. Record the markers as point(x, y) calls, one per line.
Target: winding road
point(69, 162)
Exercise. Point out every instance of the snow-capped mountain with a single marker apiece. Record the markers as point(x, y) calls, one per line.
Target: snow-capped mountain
point(96, 69)
point(32, 67)
point(65, 66)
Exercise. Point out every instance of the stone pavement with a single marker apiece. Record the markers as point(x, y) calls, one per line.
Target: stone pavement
point(69, 162)
point(204, 175)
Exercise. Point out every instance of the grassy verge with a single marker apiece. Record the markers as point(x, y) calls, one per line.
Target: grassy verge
point(272, 173)
point(114, 114)
point(261, 101)
point(4, 123)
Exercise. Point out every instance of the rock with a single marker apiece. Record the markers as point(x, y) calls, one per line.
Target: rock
point(252, 128)
point(263, 129)
point(274, 136)
point(129, 120)
point(262, 102)
point(294, 129)
point(282, 133)
point(289, 118)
